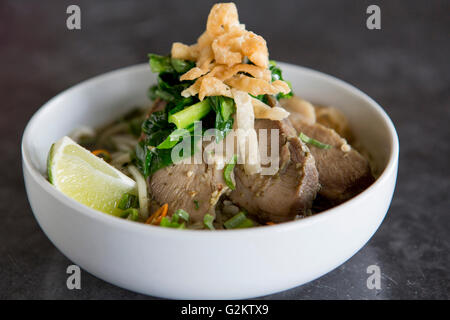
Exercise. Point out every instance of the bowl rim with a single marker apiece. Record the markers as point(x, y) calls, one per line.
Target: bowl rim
point(388, 171)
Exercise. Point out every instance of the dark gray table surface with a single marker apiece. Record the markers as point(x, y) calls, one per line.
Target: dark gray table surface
point(404, 66)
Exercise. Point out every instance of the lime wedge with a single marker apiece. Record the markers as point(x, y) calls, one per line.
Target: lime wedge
point(87, 178)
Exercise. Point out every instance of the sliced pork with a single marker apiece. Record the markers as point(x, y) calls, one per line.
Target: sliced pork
point(343, 171)
point(289, 192)
point(195, 188)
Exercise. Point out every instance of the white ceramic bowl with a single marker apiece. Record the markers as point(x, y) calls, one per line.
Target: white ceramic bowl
point(202, 264)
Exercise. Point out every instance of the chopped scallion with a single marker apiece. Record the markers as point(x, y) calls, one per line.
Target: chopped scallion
point(130, 214)
point(247, 223)
point(314, 142)
point(165, 222)
point(208, 221)
point(227, 173)
point(235, 221)
point(197, 205)
point(180, 213)
point(170, 223)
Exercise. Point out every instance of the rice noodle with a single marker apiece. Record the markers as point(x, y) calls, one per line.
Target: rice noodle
point(124, 142)
point(142, 191)
point(120, 127)
point(78, 133)
point(120, 158)
point(247, 141)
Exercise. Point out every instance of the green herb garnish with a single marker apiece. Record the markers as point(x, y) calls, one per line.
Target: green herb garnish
point(161, 130)
point(277, 74)
point(197, 206)
point(170, 223)
point(314, 142)
point(240, 220)
point(224, 108)
point(247, 223)
point(128, 201)
point(180, 213)
point(208, 221)
point(130, 214)
point(227, 173)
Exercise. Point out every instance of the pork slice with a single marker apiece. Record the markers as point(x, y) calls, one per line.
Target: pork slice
point(195, 188)
point(343, 171)
point(289, 192)
point(333, 118)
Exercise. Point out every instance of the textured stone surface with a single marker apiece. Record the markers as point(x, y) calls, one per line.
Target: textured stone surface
point(404, 66)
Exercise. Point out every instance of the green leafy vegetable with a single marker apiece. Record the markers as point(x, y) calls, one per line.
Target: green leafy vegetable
point(227, 173)
point(224, 108)
point(189, 115)
point(130, 214)
point(182, 66)
point(160, 64)
point(163, 129)
point(149, 159)
point(155, 92)
point(143, 158)
point(160, 136)
point(208, 221)
point(173, 139)
point(156, 128)
point(314, 142)
point(278, 75)
point(127, 201)
point(180, 104)
point(169, 86)
point(160, 159)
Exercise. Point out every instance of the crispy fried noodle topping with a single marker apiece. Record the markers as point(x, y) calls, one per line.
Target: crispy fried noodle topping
point(219, 55)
